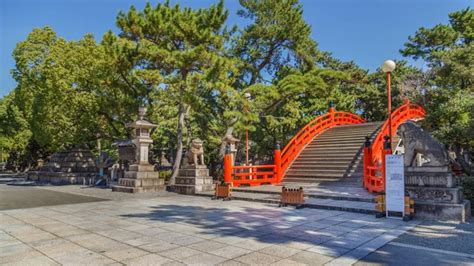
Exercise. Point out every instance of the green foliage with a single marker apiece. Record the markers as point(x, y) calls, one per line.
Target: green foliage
point(449, 95)
point(193, 72)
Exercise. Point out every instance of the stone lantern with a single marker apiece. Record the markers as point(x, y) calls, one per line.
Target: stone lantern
point(142, 140)
point(141, 176)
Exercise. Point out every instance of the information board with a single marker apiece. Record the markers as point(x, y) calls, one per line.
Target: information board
point(395, 184)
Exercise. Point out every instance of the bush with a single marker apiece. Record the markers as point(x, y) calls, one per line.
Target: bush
point(165, 174)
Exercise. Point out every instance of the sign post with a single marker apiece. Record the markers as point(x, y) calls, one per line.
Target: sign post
point(395, 186)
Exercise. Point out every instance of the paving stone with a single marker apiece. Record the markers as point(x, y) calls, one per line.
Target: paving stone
point(185, 240)
point(9, 242)
point(207, 246)
point(231, 263)
point(15, 249)
point(326, 250)
point(18, 255)
point(285, 262)
point(230, 252)
point(158, 246)
point(83, 257)
point(60, 249)
point(280, 251)
point(140, 241)
point(151, 259)
point(36, 261)
point(257, 258)
point(203, 259)
point(310, 258)
point(229, 240)
point(251, 244)
point(124, 254)
point(36, 237)
point(179, 253)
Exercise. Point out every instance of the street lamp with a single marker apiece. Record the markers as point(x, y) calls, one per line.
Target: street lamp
point(388, 67)
point(248, 96)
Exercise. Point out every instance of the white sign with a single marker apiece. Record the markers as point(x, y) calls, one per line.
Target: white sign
point(395, 184)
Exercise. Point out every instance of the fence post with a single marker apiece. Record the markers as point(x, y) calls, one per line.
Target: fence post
point(277, 162)
point(227, 166)
point(332, 110)
point(367, 161)
point(387, 149)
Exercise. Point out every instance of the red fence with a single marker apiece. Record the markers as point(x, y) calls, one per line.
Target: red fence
point(374, 172)
point(273, 174)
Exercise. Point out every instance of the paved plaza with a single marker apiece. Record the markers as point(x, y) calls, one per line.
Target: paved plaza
point(170, 229)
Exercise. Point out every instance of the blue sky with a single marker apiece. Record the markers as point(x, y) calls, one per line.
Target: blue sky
point(366, 31)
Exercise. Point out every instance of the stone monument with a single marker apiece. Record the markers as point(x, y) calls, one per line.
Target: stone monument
point(193, 176)
point(141, 175)
point(74, 166)
point(432, 185)
point(231, 141)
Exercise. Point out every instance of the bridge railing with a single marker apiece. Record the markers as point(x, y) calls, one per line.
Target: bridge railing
point(374, 154)
point(273, 173)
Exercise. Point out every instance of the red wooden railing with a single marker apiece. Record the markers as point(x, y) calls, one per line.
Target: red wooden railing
point(273, 174)
point(317, 126)
point(374, 172)
point(252, 175)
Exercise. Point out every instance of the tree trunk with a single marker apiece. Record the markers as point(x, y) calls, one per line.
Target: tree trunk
point(179, 144)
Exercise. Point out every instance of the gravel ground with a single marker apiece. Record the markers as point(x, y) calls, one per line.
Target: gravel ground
point(15, 197)
point(106, 193)
point(441, 235)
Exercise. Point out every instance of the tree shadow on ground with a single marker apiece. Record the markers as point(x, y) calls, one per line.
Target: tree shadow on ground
point(266, 225)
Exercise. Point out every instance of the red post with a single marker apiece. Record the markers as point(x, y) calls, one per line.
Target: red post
point(387, 149)
point(277, 161)
point(389, 106)
point(228, 168)
point(331, 112)
point(367, 161)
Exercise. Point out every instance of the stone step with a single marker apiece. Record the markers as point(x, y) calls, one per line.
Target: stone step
point(353, 143)
point(341, 137)
point(318, 167)
point(325, 157)
point(348, 142)
point(137, 189)
point(304, 163)
point(307, 192)
point(310, 202)
point(333, 148)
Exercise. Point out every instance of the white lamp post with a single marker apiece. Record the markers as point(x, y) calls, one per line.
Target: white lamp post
point(388, 67)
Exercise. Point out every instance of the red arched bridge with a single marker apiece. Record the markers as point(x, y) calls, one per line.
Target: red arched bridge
point(334, 146)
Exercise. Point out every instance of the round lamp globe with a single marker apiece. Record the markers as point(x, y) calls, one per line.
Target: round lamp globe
point(388, 66)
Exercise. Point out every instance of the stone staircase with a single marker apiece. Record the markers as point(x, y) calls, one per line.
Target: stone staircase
point(333, 156)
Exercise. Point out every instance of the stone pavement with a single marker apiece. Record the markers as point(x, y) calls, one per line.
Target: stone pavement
point(175, 230)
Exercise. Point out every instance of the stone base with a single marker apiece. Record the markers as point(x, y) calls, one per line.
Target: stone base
point(429, 176)
point(191, 180)
point(435, 194)
point(137, 189)
point(58, 178)
point(140, 178)
point(460, 212)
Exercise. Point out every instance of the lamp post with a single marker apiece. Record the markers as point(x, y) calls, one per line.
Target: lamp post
point(248, 96)
point(388, 67)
